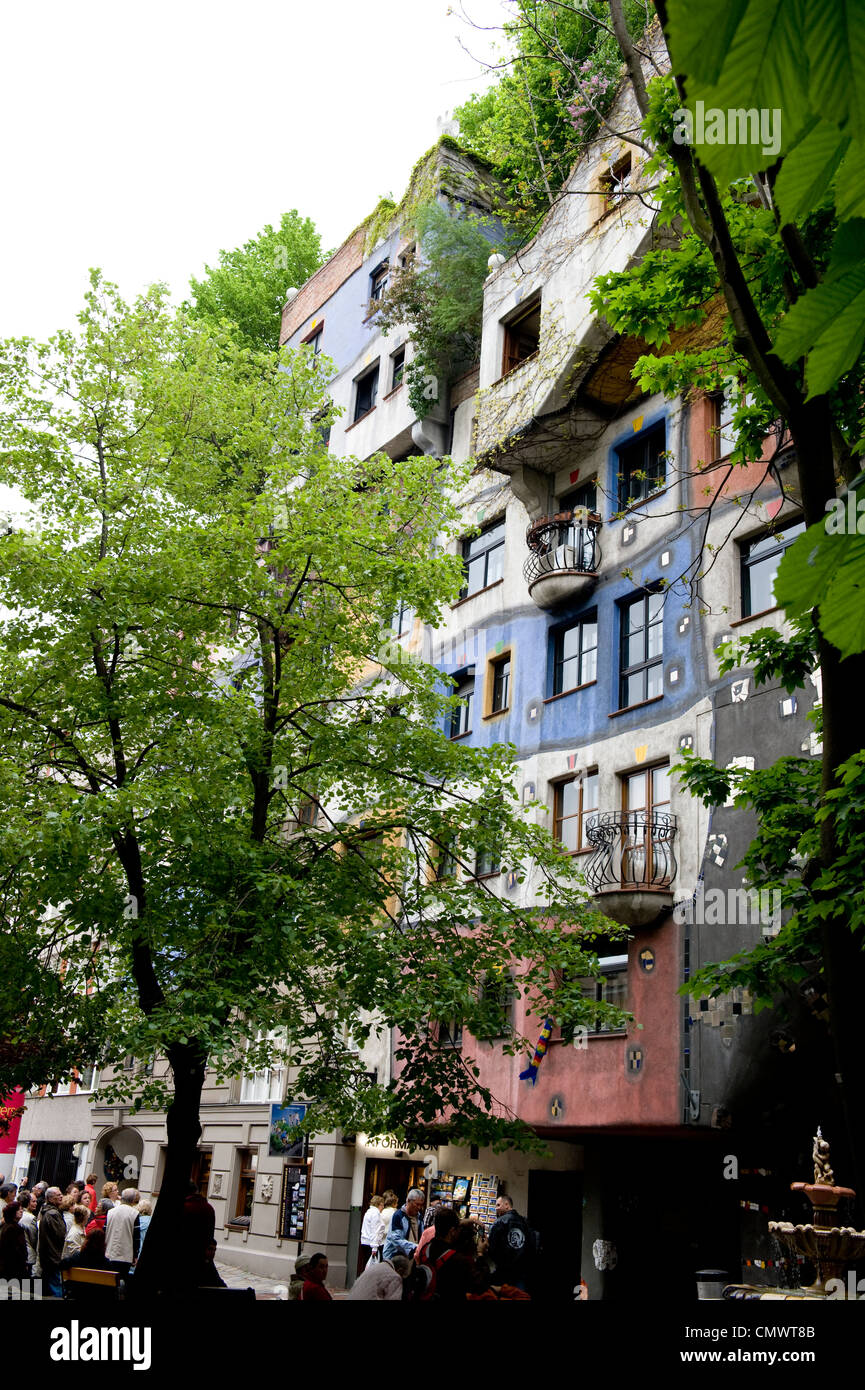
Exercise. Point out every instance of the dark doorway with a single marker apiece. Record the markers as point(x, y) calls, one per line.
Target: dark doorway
point(555, 1211)
point(399, 1174)
point(54, 1163)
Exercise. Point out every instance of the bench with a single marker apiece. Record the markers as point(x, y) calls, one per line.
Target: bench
point(90, 1283)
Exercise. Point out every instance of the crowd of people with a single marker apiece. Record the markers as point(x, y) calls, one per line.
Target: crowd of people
point(44, 1231)
point(412, 1255)
point(408, 1254)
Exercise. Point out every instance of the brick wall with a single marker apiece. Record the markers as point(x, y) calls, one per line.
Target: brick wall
point(323, 284)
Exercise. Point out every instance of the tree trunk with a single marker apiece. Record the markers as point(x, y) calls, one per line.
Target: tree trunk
point(159, 1269)
point(843, 682)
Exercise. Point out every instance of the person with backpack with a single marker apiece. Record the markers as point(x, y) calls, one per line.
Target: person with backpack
point(404, 1233)
point(512, 1245)
point(449, 1257)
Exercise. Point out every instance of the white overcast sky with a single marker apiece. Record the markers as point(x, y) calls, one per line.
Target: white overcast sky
point(143, 138)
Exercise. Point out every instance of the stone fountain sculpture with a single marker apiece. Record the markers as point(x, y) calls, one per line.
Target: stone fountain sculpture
point(829, 1247)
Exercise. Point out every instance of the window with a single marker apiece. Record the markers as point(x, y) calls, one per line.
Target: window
point(724, 435)
point(85, 1079)
point(575, 655)
point(460, 718)
point(760, 560)
point(397, 368)
point(645, 855)
point(449, 1033)
point(247, 1160)
point(575, 801)
point(616, 182)
point(403, 619)
point(266, 1086)
point(641, 467)
point(378, 282)
point(612, 987)
point(445, 860)
point(497, 995)
point(586, 495)
point(488, 861)
point(313, 339)
point(501, 687)
point(406, 257)
point(642, 650)
point(366, 392)
point(307, 812)
point(522, 335)
point(483, 559)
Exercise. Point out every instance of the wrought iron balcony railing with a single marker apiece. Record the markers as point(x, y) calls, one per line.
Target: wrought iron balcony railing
point(633, 850)
point(566, 543)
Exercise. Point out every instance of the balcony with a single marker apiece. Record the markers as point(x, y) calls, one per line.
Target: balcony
point(632, 868)
point(564, 557)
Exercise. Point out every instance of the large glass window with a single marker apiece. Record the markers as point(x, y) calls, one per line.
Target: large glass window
point(642, 650)
point(642, 468)
point(760, 560)
point(247, 1160)
point(483, 559)
point(575, 655)
point(575, 801)
point(645, 854)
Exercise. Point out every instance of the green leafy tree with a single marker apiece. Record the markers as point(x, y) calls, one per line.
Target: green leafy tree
point(247, 286)
point(228, 804)
point(439, 295)
point(560, 66)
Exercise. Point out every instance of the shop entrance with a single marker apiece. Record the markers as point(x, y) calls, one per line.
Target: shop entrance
point(555, 1211)
point(400, 1174)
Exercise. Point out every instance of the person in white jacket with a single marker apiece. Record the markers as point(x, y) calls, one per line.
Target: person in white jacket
point(123, 1232)
point(372, 1231)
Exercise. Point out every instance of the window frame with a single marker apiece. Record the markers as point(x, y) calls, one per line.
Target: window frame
point(485, 551)
point(466, 691)
point(398, 625)
point(649, 663)
point(379, 279)
point(642, 443)
point(512, 354)
point(582, 811)
point(614, 970)
point(651, 806)
point(500, 684)
point(397, 364)
point(746, 565)
point(245, 1186)
point(616, 182)
point(313, 338)
point(558, 635)
point(370, 374)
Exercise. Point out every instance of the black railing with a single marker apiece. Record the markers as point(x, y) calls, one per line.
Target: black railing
point(632, 850)
point(565, 543)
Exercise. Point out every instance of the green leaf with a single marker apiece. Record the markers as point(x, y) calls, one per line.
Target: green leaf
point(834, 40)
point(828, 322)
point(807, 170)
point(827, 571)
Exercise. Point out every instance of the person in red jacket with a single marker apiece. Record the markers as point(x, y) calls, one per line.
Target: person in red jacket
point(197, 1226)
point(89, 1194)
point(313, 1290)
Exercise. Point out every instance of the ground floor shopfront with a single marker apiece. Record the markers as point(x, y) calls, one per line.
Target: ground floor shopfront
point(617, 1214)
